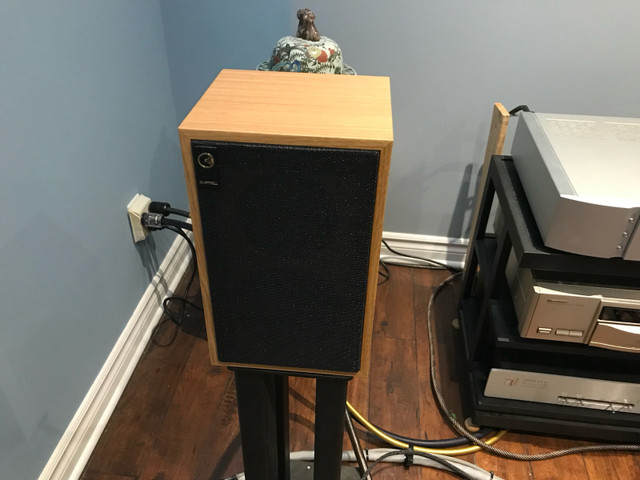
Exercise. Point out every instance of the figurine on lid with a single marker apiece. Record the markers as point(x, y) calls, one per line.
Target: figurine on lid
point(307, 52)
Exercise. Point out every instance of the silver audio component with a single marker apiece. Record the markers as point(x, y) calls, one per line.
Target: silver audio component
point(563, 390)
point(580, 176)
point(594, 315)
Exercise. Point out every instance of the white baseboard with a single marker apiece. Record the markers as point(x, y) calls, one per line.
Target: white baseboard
point(450, 251)
point(72, 452)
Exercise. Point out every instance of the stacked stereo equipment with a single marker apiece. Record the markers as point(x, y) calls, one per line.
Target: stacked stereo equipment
point(550, 306)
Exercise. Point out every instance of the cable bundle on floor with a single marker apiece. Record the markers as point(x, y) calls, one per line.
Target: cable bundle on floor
point(455, 466)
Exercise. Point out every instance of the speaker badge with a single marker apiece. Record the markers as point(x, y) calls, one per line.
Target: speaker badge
point(207, 171)
point(206, 160)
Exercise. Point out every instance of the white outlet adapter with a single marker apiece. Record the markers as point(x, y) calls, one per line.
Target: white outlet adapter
point(137, 206)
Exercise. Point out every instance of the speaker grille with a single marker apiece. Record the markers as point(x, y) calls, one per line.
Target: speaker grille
point(287, 236)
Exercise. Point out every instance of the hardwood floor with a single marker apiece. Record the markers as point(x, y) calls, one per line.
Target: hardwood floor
point(177, 417)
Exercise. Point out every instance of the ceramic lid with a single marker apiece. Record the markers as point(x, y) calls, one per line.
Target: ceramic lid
point(307, 52)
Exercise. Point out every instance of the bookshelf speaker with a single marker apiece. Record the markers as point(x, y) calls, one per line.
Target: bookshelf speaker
point(286, 176)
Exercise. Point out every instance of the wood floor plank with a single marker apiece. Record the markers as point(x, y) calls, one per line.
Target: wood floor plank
point(188, 425)
point(612, 466)
point(503, 467)
point(394, 317)
point(394, 392)
point(107, 476)
point(571, 466)
point(393, 387)
point(139, 416)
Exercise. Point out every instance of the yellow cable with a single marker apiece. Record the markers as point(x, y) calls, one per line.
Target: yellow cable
point(403, 445)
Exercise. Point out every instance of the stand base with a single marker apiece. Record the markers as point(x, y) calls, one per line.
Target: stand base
point(301, 470)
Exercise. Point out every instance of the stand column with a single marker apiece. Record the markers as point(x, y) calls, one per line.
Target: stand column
point(331, 398)
point(263, 412)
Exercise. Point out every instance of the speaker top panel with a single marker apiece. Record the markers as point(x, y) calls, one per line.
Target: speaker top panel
point(293, 109)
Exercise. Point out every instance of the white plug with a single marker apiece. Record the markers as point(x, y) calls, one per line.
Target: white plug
point(137, 206)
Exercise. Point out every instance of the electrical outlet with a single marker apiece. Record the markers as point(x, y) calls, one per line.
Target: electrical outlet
point(137, 206)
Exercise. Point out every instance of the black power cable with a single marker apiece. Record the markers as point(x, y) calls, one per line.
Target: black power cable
point(385, 273)
point(165, 209)
point(184, 300)
point(157, 221)
point(519, 108)
point(435, 263)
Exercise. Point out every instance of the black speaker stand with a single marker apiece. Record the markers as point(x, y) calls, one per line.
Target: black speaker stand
point(263, 411)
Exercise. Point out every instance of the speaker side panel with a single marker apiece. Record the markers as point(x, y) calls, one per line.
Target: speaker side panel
point(287, 237)
point(374, 255)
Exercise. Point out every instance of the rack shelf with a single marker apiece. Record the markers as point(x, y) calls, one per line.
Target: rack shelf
point(489, 330)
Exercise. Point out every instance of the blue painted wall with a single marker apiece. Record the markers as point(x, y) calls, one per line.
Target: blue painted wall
point(205, 36)
point(86, 121)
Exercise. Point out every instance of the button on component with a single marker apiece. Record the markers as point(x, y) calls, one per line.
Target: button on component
point(595, 404)
point(562, 332)
point(576, 333)
point(545, 330)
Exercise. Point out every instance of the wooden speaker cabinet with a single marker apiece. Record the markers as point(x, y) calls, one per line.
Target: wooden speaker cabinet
point(287, 177)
